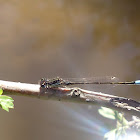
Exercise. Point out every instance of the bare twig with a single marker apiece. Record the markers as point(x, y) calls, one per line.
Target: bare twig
point(71, 94)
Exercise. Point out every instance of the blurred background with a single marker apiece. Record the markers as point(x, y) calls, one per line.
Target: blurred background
point(66, 38)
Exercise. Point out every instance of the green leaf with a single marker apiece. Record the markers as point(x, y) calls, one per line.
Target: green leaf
point(107, 112)
point(10, 104)
point(6, 102)
point(1, 91)
point(4, 97)
point(4, 106)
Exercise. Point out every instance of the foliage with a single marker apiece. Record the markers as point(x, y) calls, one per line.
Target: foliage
point(6, 102)
point(123, 126)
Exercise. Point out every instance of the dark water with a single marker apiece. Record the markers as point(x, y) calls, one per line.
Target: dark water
point(68, 39)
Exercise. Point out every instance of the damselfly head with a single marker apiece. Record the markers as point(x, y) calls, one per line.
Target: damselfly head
point(42, 82)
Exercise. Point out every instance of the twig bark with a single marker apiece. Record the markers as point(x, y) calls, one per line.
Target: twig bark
point(71, 94)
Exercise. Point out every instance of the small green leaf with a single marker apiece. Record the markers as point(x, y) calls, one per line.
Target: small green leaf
point(4, 106)
point(4, 97)
point(1, 91)
point(6, 102)
point(107, 112)
point(10, 104)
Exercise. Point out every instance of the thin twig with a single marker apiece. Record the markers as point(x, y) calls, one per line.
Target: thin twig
point(73, 95)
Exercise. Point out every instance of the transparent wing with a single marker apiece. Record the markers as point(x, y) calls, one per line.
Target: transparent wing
point(92, 80)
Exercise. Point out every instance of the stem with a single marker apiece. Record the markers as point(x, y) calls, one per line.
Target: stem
point(71, 94)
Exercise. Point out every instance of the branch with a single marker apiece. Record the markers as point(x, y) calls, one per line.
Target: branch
point(71, 94)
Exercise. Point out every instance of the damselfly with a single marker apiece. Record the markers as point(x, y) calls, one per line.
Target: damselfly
point(59, 82)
